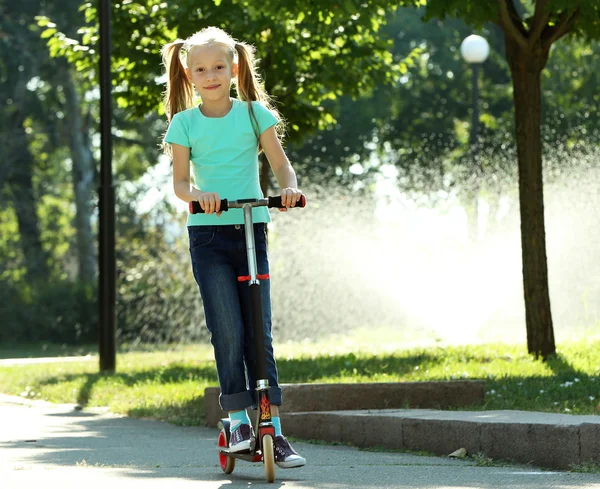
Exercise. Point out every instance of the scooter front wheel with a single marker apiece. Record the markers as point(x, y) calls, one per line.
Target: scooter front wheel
point(268, 452)
point(227, 463)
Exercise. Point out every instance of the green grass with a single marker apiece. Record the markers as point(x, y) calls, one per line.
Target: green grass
point(169, 384)
point(586, 468)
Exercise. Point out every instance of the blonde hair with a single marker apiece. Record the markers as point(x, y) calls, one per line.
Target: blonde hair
point(179, 94)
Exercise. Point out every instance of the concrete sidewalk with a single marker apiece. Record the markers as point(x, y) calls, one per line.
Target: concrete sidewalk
point(57, 446)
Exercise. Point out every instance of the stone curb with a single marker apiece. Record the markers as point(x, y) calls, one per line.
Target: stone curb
point(380, 395)
point(552, 445)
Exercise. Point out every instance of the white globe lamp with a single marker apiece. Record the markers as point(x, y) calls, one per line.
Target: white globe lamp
point(474, 49)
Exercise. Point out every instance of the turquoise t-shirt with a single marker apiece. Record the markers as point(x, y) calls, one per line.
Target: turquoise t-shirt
point(223, 157)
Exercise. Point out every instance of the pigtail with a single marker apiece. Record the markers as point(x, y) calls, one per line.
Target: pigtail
point(249, 87)
point(179, 94)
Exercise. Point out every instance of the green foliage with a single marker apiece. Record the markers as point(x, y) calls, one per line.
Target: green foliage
point(157, 298)
point(586, 468)
point(12, 268)
point(420, 124)
point(477, 13)
point(310, 52)
point(423, 123)
point(472, 11)
point(570, 84)
point(588, 23)
point(60, 311)
point(431, 117)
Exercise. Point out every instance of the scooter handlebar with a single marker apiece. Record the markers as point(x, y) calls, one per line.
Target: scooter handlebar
point(271, 202)
point(196, 209)
point(276, 202)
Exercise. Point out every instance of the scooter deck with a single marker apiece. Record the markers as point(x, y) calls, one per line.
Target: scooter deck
point(247, 456)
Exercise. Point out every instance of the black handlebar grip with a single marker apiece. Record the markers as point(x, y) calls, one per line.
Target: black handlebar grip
point(196, 209)
point(276, 202)
point(273, 202)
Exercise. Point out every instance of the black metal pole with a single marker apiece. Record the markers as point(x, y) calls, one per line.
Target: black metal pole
point(475, 127)
point(258, 334)
point(106, 238)
point(474, 148)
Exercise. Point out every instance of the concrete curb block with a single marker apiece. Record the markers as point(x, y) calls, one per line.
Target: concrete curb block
point(590, 443)
point(551, 445)
point(381, 395)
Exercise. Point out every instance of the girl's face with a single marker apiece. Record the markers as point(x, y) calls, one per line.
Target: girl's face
point(210, 70)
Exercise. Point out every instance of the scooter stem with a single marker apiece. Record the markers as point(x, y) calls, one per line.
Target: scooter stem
point(250, 246)
point(258, 330)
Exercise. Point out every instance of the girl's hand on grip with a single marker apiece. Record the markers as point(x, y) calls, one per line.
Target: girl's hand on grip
point(210, 202)
point(290, 197)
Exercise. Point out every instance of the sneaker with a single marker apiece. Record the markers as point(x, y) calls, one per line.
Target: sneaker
point(285, 456)
point(241, 439)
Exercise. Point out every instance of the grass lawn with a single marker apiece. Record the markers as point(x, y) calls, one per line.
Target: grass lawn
point(169, 384)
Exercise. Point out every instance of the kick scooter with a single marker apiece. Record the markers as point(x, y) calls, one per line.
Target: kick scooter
point(263, 449)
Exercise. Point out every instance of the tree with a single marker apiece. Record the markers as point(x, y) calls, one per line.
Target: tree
point(76, 98)
point(78, 136)
point(32, 112)
point(20, 63)
point(309, 51)
point(530, 30)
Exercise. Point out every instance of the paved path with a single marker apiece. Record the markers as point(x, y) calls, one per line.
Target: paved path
point(47, 446)
point(7, 362)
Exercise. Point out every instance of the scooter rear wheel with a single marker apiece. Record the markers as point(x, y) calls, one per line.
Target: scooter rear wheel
point(268, 451)
point(227, 463)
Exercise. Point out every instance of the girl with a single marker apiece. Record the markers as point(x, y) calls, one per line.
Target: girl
point(221, 138)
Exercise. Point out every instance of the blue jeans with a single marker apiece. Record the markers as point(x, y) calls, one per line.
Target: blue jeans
point(218, 259)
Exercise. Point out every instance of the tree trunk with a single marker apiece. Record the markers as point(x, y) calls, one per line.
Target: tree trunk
point(526, 68)
point(83, 179)
point(24, 199)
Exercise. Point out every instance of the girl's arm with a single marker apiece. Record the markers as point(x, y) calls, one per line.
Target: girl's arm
point(209, 201)
point(181, 174)
point(281, 166)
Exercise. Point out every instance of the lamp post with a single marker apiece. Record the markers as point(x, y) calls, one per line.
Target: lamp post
point(106, 204)
point(475, 50)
